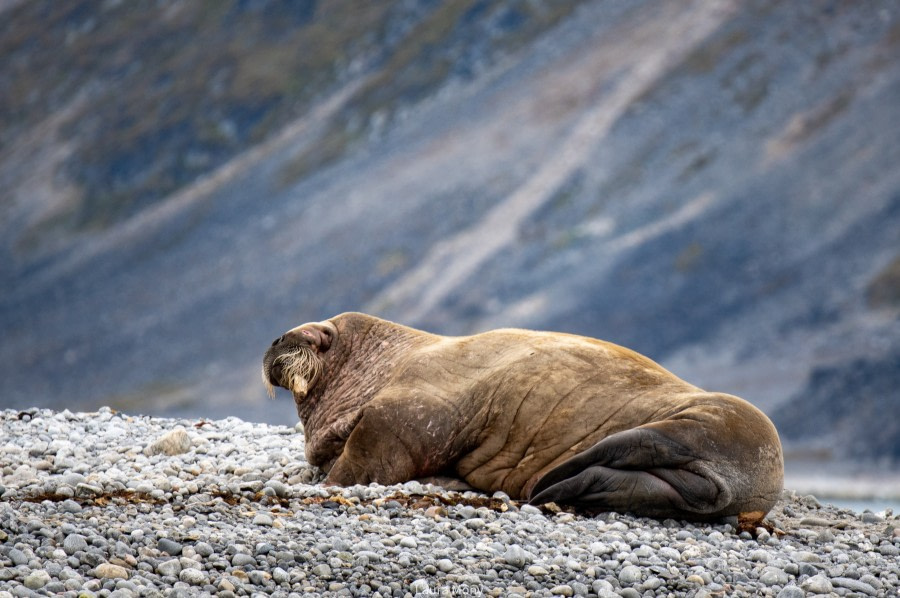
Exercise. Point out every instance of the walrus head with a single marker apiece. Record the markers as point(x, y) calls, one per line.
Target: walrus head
point(295, 359)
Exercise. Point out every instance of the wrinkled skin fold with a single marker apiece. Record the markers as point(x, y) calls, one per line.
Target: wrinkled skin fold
point(541, 416)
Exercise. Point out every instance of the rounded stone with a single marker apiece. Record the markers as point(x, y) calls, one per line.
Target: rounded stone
point(170, 568)
point(791, 592)
point(263, 519)
point(445, 565)
point(515, 556)
point(195, 577)
point(110, 571)
point(242, 560)
point(170, 547)
point(771, 576)
point(36, 580)
point(73, 543)
point(630, 574)
point(817, 584)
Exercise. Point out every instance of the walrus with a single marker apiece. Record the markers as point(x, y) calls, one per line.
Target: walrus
point(541, 416)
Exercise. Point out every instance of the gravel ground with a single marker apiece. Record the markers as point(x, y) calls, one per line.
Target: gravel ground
point(106, 504)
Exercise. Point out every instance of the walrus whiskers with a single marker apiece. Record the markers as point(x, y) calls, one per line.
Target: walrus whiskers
point(300, 369)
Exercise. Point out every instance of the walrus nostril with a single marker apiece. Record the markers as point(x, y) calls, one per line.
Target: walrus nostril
point(278, 340)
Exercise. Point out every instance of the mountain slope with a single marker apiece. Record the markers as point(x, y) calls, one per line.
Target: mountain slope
point(712, 184)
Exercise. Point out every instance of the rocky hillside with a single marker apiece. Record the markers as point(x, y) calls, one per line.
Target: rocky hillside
point(711, 183)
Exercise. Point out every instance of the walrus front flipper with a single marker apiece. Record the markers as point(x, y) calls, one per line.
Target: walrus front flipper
point(641, 471)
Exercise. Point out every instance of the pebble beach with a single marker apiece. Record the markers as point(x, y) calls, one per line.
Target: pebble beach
point(110, 504)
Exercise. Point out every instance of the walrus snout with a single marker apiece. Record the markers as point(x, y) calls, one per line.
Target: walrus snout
point(293, 360)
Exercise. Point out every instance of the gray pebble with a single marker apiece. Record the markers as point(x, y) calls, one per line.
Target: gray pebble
point(280, 489)
point(36, 580)
point(17, 557)
point(445, 565)
point(515, 556)
point(195, 577)
point(242, 560)
point(169, 568)
point(262, 519)
point(854, 585)
point(70, 506)
point(73, 543)
point(172, 443)
point(280, 575)
point(771, 576)
point(870, 517)
point(419, 586)
point(475, 523)
point(791, 592)
point(170, 547)
point(630, 574)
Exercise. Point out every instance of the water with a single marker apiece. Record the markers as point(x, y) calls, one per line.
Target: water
point(858, 505)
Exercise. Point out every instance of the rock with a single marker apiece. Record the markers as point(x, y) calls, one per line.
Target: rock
point(280, 490)
point(36, 580)
point(817, 584)
point(791, 592)
point(110, 571)
point(203, 549)
point(445, 565)
point(771, 576)
point(70, 506)
point(170, 568)
point(170, 547)
point(195, 577)
point(419, 586)
point(630, 574)
point(515, 556)
point(262, 519)
point(17, 557)
point(242, 560)
point(814, 522)
point(172, 443)
point(870, 517)
point(854, 585)
point(73, 543)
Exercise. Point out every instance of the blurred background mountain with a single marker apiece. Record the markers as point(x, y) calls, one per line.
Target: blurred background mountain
point(714, 184)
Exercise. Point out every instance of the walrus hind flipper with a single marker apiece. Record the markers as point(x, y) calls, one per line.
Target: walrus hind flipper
point(640, 471)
